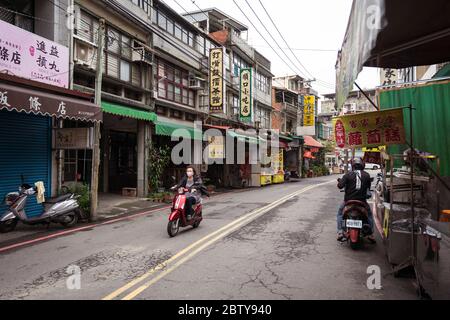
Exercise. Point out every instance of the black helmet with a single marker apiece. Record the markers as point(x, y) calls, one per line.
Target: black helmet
point(358, 164)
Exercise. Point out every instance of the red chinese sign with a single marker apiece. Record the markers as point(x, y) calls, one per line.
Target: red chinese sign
point(370, 129)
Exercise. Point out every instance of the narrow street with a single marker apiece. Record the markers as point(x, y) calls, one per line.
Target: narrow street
point(254, 244)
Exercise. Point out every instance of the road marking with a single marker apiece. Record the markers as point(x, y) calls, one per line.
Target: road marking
point(62, 233)
point(203, 243)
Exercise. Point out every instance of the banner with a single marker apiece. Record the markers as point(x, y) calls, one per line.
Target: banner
point(27, 55)
point(216, 147)
point(309, 106)
point(216, 78)
point(246, 95)
point(370, 129)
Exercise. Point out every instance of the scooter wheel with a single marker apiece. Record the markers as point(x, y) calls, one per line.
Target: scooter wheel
point(196, 224)
point(8, 226)
point(354, 245)
point(70, 220)
point(173, 228)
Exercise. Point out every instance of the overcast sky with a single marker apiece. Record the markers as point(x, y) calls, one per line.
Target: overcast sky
point(305, 24)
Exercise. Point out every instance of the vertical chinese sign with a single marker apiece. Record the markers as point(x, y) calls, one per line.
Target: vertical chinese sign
point(27, 55)
point(216, 78)
point(309, 104)
point(370, 129)
point(246, 100)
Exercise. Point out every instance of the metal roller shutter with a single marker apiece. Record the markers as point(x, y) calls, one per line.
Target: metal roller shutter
point(24, 150)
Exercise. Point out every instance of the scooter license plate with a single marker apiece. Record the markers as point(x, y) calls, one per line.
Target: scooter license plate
point(356, 224)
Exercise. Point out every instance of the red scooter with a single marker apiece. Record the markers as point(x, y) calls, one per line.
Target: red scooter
point(356, 223)
point(177, 219)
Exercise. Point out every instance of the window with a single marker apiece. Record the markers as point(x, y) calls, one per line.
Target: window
point(235, 105)
point(173, 84)
point(118, 57)
point(238, 64)
point(175, 29)
point(263, 83)
point(125, 71)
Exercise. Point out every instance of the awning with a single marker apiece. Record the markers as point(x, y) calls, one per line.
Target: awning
point(167, 127)
point(399, 35)
point(443, 73)
point(27, 99)
point(308, 155)
point(311, 142)
point(242, 137)
point(129, 112)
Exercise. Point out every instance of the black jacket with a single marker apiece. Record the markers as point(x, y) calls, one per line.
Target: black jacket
point(349, 182)
point(198, 184)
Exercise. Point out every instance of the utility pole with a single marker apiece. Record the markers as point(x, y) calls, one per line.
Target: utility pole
point(98, 102)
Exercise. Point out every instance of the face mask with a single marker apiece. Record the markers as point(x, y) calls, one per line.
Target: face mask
point(190, 174)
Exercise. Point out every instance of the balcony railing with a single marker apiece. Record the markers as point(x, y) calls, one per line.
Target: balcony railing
point(242, 45)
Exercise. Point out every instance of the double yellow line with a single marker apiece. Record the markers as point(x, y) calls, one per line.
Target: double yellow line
point(192, 250)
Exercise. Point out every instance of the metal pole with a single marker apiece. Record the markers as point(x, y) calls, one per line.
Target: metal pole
point(98, 101)
point(365, 95)
point(411, 158)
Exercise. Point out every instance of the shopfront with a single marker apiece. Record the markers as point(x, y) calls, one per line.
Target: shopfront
point(124, 145)
point(30, 114)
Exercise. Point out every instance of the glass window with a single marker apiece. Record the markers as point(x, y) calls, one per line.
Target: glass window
point(185, 96)
point(191, 98)
point(162, 21)
point(177, 76)
point(162, 93)
point(177, 94)
point(126, 47)
point(170, 91)
point(125, 71)
point(170, 26)
point(170, 75)
point(177, 31)
point(185, 37)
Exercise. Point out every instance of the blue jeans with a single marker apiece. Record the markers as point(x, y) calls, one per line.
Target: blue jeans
point(340, 216)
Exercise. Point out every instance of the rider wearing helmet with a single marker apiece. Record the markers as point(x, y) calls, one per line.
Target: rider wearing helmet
point(357, 186)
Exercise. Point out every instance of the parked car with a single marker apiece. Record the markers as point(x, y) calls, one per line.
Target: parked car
point(372, 166)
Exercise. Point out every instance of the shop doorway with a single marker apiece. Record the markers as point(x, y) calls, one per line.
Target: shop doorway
point(123, 161)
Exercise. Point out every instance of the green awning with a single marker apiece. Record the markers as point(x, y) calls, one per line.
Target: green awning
point(128, 112)
point(169, 128)
point(244, 138)
point(286, 138)
point(443, 73)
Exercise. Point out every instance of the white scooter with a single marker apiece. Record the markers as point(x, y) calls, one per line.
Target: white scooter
point(64, 210)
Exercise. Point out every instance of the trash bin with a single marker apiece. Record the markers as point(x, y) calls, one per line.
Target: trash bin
point(399, 240)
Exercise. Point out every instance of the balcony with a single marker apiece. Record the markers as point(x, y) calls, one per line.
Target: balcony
point(242, 45)
point(291, 109)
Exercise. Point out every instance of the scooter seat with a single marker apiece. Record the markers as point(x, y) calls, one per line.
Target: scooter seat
point(58, 199)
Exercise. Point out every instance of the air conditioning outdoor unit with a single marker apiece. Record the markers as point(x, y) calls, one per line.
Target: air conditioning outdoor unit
point(141, 54)
point(84, 54)
point(196, 83)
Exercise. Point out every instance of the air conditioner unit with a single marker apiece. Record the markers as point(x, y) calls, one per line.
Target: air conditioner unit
point(196, 83)
point(141, 54)
point(84, 54)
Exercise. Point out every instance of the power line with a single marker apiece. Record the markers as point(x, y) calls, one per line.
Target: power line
point(276, 42)
point(282, 37)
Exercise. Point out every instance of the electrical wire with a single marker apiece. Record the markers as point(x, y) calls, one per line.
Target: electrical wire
point(282, 37)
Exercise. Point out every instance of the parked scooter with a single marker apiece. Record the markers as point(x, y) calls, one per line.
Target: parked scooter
point(64, 210)
point(177, 219)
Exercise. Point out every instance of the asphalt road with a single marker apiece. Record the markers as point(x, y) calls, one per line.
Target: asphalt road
point(277, 242)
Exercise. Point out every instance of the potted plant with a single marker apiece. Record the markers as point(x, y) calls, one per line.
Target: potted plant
point(158, 161)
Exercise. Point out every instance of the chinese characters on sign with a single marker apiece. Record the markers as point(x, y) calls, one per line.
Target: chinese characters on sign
point(389, 76)
point(246, 98)
point(216, 75)
point(216, 147)
point(309, 104)
point(370, 129)
point(27, 55)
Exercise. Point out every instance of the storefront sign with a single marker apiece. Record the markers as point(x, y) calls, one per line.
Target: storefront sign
point(309, 105)
point(246, 91)
point(277, 162)
point(216, 75)
point(73, 138)
point(216, 147)
point(389, 76)
point(15, 98)
point(370, 129)
point(27, 55)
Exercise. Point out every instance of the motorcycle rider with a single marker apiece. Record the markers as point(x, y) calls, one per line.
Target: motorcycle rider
point(357, 186)
point(194, 184)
